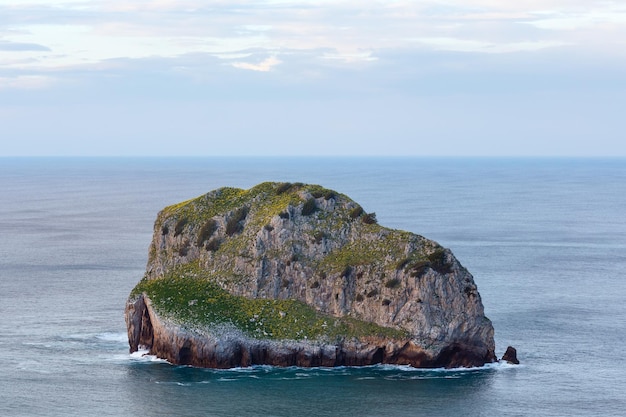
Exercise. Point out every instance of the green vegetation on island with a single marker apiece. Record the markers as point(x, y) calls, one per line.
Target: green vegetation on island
point(188, 296)
point(285, 262)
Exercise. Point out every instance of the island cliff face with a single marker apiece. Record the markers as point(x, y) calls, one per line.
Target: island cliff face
point(293, 274)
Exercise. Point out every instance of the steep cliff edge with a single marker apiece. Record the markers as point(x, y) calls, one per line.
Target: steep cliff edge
point(294, 274)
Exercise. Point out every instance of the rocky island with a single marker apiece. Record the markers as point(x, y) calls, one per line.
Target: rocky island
point(298, 275)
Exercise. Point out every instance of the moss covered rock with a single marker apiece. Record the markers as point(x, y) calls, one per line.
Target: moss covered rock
point(296, 274)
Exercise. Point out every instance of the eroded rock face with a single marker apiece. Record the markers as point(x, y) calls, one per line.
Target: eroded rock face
point(300, 242)
point(510, 356)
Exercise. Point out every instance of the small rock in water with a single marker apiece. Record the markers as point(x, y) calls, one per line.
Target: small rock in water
point(510, 355)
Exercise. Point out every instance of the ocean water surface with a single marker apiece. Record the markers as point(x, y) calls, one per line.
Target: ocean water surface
point(544, 238)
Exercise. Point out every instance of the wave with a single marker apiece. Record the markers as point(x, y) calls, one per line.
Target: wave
point(144, 356)
point(113, 337)
point(187, 375)
point(74, 342)
point(500, 365)
point(34, 366)
point(140, 356)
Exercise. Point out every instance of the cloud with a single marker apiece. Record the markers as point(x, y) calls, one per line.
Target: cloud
point(17, 46)
point(96, 30)
point(468, 45)
point(604, 16)
point(196, 49)
point(263, 66)
point(26, 82)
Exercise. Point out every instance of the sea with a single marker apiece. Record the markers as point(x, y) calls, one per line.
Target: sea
point(545, 239)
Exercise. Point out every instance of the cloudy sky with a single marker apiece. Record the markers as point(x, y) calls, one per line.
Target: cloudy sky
point(324, 77)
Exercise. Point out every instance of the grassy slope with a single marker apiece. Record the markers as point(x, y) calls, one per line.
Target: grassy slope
point(187, 296)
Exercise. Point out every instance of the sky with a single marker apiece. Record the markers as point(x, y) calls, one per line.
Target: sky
point(325, 77)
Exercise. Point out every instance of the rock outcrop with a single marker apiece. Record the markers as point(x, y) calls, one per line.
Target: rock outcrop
point(510, 356)
point(292, 274)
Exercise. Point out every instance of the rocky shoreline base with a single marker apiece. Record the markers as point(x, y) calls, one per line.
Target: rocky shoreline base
point(228, 348)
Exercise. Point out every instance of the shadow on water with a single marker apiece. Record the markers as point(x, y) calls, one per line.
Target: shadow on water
point(163, 389)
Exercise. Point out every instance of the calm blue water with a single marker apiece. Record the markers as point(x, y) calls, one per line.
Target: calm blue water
point(544, 238)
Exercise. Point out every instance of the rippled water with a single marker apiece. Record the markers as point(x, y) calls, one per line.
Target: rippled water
point(544, 238)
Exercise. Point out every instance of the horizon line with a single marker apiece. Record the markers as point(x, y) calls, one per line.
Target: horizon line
point(503, 156)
